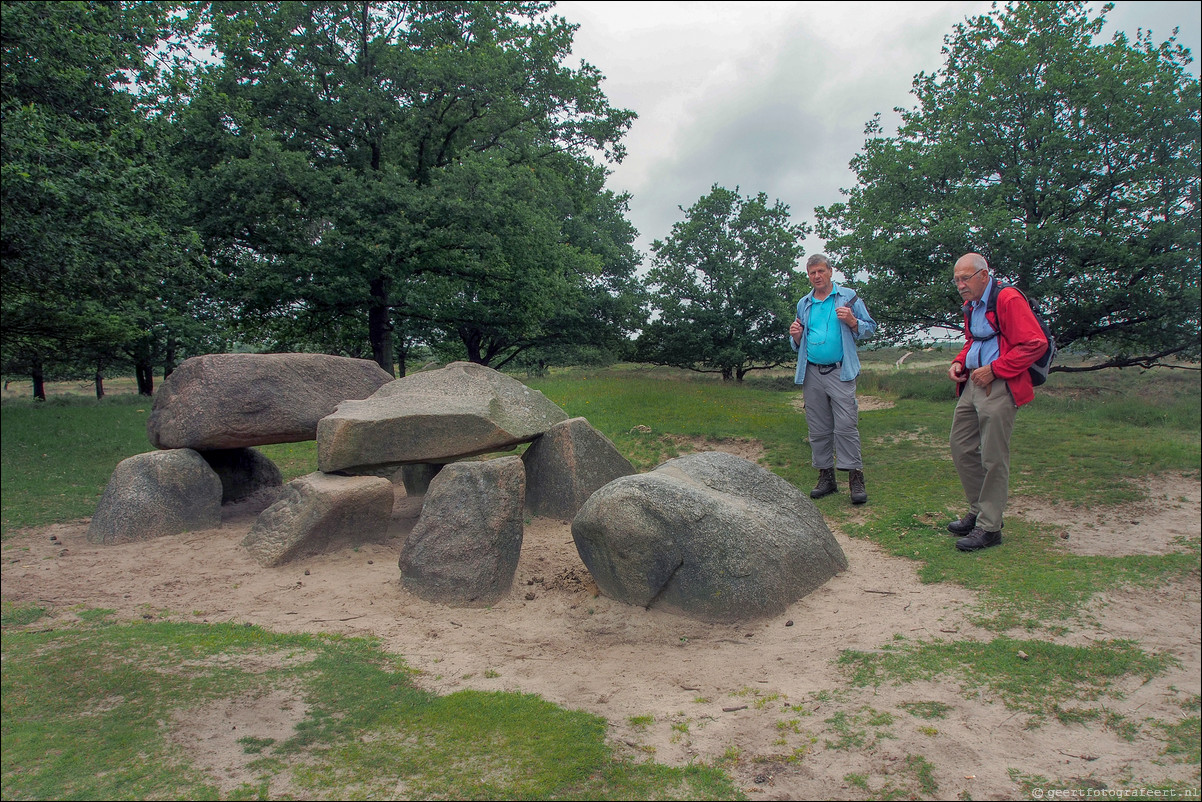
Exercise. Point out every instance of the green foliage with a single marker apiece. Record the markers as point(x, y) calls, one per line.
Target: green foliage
point(374, 178)
point(723, 281)
point(1073, 167)
point(20, 615)
point(926, 709)
point(853, 730)
point(97, 266)
point(92, 713)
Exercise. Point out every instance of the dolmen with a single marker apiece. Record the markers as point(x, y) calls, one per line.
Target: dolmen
point(708, 535)
point(206, 417)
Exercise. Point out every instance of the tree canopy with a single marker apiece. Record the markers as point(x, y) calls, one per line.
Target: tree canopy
point(1073, 167)
point(724, 283)
point(397, 173)
point(96, 264)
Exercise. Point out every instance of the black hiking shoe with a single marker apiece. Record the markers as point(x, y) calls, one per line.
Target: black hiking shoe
point(855, 482)
point(963, 526)
point(826, 483)
point(978, 538)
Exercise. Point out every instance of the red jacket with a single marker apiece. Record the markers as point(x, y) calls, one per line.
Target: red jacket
point(1020, 343)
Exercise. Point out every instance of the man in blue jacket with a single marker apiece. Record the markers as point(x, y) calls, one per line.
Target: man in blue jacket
point(830, 320)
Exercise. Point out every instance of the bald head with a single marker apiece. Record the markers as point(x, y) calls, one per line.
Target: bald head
point(972, 261)
point(971, 276)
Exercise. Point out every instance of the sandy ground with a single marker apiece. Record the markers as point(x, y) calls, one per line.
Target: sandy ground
point(768, 692)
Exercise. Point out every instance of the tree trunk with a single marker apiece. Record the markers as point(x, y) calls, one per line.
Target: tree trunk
point(99, 385)
point(472, 340)
point(169, 358)
point(39, 381)
point(379, 325)
point(145, 374)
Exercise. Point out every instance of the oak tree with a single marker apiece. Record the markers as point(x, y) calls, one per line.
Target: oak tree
point(723, 286)
point(1071, 165)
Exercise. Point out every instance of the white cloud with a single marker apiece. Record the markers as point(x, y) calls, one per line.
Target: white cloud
point(772, 96)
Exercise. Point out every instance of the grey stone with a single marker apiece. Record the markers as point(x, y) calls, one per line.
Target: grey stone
point(157, 493)
point(243, 472)
point(710, 535)
point(435, 416)
point(565, 466)
point(318, 513)
point(464, 549)
point(223, 401)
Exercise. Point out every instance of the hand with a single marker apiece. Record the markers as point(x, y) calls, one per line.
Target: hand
point(847, 317)
point(795, 331)
point(983, 377)
point(956, 373)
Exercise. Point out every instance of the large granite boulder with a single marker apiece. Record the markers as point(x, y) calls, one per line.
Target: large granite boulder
point(223, 401)
point(710, 535)
point(464, 549)
point(157, 493)
point(565, 466)
point(319, 513)
point(435, 416)
point(243, 472)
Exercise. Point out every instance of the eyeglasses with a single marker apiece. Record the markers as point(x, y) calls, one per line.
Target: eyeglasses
point(962, 281)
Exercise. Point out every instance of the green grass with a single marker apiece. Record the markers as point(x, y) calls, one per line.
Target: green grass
point(1033, 676)
point(93, 712)
point(77, 699)
point(56, 457)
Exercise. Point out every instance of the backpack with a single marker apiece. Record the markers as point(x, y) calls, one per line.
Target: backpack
point(1039, 369)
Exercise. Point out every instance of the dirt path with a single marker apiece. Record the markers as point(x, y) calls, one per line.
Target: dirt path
point(769, 692)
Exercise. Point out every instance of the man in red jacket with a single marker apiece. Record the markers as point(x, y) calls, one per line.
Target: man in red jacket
point(992, 382)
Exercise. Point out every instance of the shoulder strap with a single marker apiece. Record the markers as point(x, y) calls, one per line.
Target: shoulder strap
point(991, 302)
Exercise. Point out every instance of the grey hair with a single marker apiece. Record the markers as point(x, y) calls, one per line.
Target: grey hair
point(817, 259)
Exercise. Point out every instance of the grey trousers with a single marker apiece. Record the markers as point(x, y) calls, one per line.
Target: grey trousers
point(980, 443)
point(833, 417)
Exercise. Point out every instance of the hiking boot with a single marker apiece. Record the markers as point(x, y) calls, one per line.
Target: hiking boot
point(978, 538)
point(963, 526)
point(855, 482)
point(826, 483)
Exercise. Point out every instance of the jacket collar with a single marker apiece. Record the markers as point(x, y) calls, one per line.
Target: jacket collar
point(835, 290)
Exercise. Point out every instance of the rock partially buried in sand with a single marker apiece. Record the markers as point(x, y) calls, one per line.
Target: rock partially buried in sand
point(157, 493)
point(710, 535)
point(317, 513)
point(464, 549)
point(565, 466)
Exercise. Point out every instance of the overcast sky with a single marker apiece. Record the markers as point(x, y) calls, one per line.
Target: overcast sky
point(773, 96)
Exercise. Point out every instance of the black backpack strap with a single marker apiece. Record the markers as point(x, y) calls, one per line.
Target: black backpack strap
point(991, 305)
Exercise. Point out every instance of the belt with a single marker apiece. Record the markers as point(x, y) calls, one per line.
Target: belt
point(825, 369)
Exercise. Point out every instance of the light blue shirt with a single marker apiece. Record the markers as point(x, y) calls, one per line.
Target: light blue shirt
point(824, 340)
point(983, 351)
point(848, 338)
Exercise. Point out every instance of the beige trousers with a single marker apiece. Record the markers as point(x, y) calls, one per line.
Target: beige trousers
point(980, 443)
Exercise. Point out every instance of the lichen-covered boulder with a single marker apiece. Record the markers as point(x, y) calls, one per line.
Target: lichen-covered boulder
point(220, 401)
point(157, 493)
point(243, 472)
point(570, 462)
point(710, 535)
point(464, 549)
point(436, 416)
